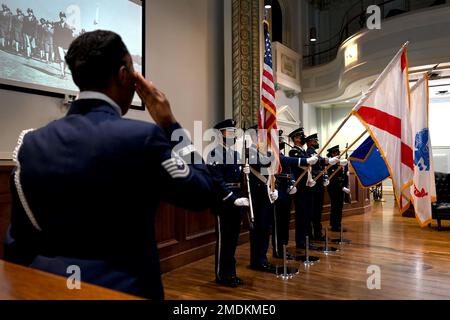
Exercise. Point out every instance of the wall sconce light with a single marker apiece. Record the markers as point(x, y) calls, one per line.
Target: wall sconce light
point(351, 54)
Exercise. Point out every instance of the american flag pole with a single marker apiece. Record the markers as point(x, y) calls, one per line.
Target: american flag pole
point(267, 116)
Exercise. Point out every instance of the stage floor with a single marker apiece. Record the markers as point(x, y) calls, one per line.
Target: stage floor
point(414, 264)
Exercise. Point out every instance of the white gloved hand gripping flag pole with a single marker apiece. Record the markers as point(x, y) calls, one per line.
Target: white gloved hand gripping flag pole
point(384, 111)
point(423, 190)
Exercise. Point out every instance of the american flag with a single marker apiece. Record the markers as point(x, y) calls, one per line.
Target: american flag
point(267, 116)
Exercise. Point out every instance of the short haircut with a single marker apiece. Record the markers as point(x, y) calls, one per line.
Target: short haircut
point(95, 57)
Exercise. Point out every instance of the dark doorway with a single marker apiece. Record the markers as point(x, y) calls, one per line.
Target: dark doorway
point(277, 20)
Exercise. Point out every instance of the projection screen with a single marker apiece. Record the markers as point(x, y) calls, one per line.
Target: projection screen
point(35, 35)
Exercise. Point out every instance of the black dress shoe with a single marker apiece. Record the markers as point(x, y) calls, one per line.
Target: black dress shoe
point(265, 267)
point(289, 256)
point(338, 229)
point(319, 238)
point(300, 246)
point(311, 247)
point(239, 281)
point(231, 282)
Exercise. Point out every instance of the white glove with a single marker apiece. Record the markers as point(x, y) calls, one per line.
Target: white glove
point(273, 196)
point(333, 161)
point(246, 169)
point(292, 190)
point(346, 190)
point(343, 163)
point(312, 160)
point(311, 183)
point(326, 182)
point(241, 202)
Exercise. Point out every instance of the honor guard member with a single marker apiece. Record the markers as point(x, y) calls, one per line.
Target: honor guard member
point(298, 137)
point(337, 189)
point(313, 200)
point(286, 189)
point(226, 171)
point(86, 187)
point(263, 205)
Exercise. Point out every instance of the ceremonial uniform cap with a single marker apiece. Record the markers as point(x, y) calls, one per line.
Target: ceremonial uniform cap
point(312, 137)
point(296, 132)
point(228, 123)
point(332, 149)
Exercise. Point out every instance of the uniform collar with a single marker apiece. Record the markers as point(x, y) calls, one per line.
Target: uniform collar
point(227, 148)
point(312, 149)
point(84, 95)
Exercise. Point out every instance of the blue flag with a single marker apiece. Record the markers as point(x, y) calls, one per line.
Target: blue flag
point(368, 164)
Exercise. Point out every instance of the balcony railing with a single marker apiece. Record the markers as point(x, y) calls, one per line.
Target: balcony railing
point(316, 53)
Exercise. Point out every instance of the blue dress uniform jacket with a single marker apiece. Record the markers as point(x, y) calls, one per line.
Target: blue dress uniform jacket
point(93, 182)
point(225, 167)
point(298, 152)
point(317, 168)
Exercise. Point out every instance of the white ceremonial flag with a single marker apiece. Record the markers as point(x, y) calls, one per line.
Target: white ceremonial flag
point(423, 190)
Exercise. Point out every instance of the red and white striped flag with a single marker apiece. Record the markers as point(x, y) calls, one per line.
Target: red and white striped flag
point(267, 116)
point(384, 111)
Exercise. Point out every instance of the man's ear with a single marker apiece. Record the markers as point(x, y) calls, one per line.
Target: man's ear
point(124, 75)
